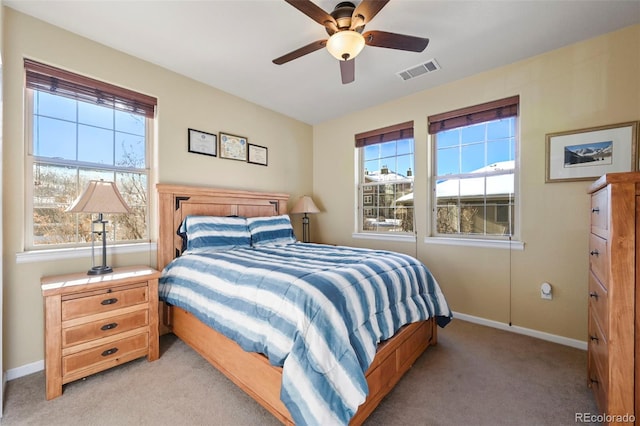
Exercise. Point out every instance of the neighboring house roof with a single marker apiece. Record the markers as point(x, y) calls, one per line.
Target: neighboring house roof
point(377, 176)
point(496, 186)
point(405, 199)
point(473, 187)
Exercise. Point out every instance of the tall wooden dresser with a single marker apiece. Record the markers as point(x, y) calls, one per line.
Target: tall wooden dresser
point(614, 294)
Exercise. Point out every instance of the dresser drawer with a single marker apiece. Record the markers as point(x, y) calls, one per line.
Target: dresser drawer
point(598, 302)
point(104, 301)
point(103, 328)
point(90, 359)
point(598, 259)
point(600, 213)
point(599, 351)
point(596, 384)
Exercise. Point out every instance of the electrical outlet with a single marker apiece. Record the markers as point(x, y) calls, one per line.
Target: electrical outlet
point(546, 291)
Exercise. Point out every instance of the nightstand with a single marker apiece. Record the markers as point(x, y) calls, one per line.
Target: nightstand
point(95, 322)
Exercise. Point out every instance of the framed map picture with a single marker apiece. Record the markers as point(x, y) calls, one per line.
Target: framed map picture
point(233, 147)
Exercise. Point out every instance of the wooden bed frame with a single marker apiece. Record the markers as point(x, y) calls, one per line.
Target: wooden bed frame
point(251, 371)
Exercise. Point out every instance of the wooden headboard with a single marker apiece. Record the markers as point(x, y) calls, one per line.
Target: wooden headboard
point(178, 201)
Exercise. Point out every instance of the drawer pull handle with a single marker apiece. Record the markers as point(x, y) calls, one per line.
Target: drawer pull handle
point(594, 338)
point(593, 382)
point(594, 295)
point(109, 301)
point(109, 326)
point(595, 210)
point(110, 352)
point(594, 252)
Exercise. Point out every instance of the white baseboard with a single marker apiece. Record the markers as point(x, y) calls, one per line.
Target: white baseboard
point(25, 370)
point(34, 367)
point(574, 343)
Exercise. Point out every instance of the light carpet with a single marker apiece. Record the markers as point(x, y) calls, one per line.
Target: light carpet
point(475, 375)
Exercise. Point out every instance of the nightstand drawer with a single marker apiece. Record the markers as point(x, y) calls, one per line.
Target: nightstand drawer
point(91, 359)
point(106, 327)
point(104, 301)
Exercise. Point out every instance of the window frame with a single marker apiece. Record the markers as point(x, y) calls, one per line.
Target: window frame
point(392, 133)
point(477, 114)
point(147, 111)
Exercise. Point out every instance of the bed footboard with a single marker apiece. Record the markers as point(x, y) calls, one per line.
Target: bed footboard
point(393, 359)
point(252, 372)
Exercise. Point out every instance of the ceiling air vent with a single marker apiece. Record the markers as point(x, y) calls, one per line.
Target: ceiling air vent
point(429, 66)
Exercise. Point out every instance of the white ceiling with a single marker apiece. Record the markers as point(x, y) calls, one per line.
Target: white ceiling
point(229, 44)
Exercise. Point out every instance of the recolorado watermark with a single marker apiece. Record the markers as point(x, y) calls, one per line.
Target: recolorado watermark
point(604, 418)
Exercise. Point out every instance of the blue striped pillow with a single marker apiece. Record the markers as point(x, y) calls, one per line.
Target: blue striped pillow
point(271, 230)
point(215, 232)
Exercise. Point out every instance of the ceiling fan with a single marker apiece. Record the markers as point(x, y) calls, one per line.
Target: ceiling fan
point(344, 26)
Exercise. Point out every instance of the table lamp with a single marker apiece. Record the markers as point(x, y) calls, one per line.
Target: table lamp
point(305, 205)
point(99, 197)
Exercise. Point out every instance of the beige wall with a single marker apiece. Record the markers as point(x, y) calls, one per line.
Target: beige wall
point(182, 103)
point(587, 84)
point(584, 85)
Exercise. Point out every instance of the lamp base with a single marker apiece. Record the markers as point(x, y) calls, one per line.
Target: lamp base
point(305, 229)
point(99, 270)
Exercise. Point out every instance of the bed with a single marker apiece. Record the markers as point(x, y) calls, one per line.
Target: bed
point(253, 371)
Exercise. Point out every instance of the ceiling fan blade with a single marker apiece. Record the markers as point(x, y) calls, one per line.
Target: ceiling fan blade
point(314, 12)
point(348, 71)
point(312, 47)
point(368, 9)
point(395, 41)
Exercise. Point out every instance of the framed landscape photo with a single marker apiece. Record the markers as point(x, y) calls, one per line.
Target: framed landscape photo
point(202, 142)
point(233, 147)
point(587, 154)
point(257, 155)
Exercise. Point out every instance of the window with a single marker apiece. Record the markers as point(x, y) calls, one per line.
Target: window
point(473, 185)
point(385, 189)
point(80, 129)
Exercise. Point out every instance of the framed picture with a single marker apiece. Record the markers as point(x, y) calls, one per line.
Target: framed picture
point(233, 147)
point(202, 142)
point(257, 155)
point(587, 154)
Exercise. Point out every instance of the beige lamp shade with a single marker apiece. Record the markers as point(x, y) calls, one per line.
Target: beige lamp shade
point(305, 204)
point(100, 197)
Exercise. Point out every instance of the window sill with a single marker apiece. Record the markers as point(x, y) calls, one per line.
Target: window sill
point(474, 242)
point(410, 238)
point(46, 255)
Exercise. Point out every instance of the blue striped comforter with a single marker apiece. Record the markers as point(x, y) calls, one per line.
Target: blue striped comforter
point(318, 311)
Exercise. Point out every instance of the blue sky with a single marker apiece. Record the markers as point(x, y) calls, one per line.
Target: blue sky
point(458, 151)
point(464, 150)
point(102, 135)
point(106, 136)
point(397, 156)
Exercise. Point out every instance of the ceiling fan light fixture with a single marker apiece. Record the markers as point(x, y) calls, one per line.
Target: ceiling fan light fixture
point(345, 45)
